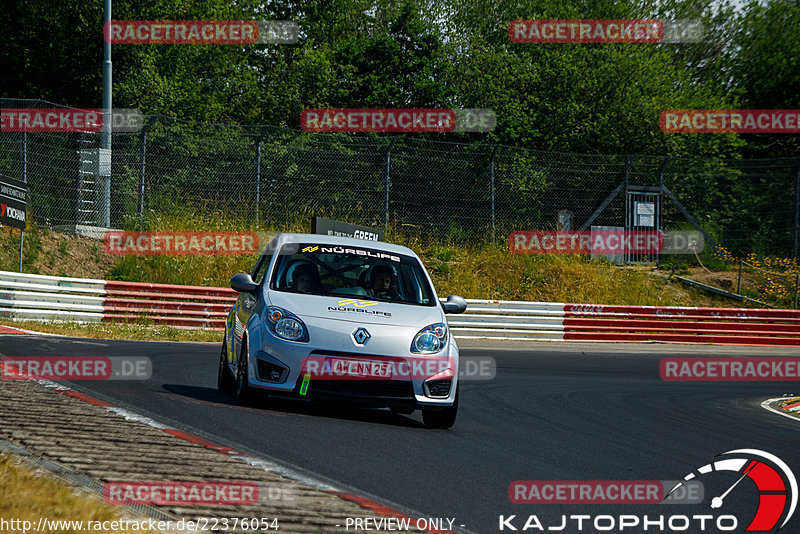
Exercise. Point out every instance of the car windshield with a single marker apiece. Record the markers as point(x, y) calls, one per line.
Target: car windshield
point(359, 272)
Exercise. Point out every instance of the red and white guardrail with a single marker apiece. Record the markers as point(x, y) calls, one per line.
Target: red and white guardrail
point(599, 322)
point(52, 298)
point(37, 297)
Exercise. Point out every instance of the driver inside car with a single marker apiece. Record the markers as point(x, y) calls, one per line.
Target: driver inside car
point(383, 282)
point(305, 278)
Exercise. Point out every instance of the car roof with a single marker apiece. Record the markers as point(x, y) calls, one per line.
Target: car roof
point(344, 241)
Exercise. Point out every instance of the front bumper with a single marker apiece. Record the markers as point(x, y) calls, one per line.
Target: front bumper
point(280, 367)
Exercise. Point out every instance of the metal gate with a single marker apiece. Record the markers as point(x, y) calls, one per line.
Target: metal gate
point(642, 214)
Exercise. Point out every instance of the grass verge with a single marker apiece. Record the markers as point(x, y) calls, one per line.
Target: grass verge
point(469, 264)
point(473, 266)
point(130, 331)
point(29, 495)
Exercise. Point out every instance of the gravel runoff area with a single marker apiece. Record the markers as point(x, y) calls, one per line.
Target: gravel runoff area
point(65, 429)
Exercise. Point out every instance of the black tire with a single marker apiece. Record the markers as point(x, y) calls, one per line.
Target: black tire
point(224, 377)
point(441, 418)
point(242, 391)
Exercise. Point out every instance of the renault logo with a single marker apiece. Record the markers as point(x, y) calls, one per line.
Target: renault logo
point(361, 336)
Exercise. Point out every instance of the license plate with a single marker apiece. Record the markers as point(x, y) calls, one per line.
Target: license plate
point(360, 368)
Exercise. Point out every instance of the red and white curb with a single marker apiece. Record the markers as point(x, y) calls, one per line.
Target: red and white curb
point(792, 411)
point(793, 407)
point(6, 330)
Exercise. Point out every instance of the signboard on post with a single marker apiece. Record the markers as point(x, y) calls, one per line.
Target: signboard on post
point(645, 214)
point(13, 201)
point(322, 226)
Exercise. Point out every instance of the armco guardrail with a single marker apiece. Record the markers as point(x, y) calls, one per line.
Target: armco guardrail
point(745, 326)
point(36, 297)
point(597, 322)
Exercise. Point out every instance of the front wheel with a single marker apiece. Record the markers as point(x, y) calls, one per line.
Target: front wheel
point(224, 377)
point(243, 392)
point(441, 418)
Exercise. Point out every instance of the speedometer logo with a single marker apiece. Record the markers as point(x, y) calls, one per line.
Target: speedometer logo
point(774, 481)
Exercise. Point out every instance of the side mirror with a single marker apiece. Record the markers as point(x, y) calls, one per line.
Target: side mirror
point(454, 304)
point(244, 284)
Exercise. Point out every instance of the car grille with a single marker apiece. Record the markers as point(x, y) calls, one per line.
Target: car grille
point(400, 389)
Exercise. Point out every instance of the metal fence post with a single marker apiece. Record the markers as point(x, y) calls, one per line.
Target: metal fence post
point(796, 209)
point(258, 174)
point(628, 219)
point(739, 282)
point(491, 175)
point(24, 156)
point(388, 162)
point(142, 158)
point(259, 140)
point(105, 134)
point(661, 174)
point(21, 239)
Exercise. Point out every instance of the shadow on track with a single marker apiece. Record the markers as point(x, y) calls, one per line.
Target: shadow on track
point(264, 402)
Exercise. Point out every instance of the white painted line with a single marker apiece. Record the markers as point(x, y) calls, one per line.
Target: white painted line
point(285, 472)
point(32, 332)
point(131, 416)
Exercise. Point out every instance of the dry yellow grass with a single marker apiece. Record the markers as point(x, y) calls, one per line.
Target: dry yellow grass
point(133, 331)
point(26, 495)
point(480, 271)
point(493, 272)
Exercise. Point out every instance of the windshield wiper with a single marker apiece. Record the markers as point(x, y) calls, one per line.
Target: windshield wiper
point(390, 299)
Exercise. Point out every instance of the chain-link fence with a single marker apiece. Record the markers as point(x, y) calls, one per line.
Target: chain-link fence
point(270, 173)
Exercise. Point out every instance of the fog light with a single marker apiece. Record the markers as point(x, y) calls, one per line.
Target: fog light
point(438, 388)
point(270, 372)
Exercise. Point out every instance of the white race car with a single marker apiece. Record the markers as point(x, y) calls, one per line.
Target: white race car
point(339, 319)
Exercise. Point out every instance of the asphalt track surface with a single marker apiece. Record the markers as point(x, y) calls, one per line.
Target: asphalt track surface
point(553, 412)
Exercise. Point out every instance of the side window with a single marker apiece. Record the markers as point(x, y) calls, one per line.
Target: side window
point(261, 268)
point(263, 263)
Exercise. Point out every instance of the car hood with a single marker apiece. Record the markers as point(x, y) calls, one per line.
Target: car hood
point(356, 310)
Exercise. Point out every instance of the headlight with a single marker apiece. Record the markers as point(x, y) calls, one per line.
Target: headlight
point(430, 339)
point(286, 325)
